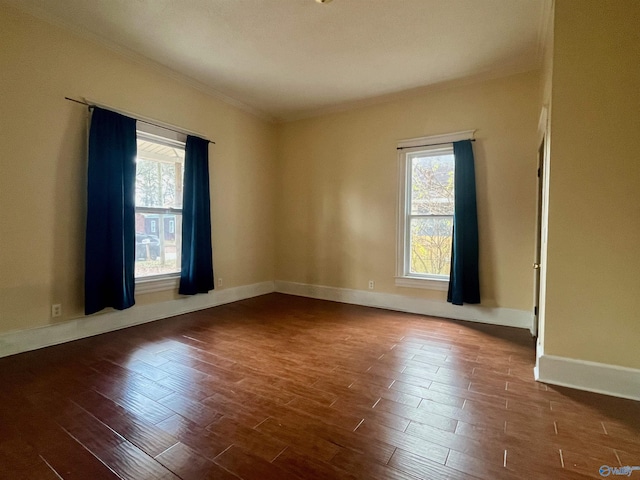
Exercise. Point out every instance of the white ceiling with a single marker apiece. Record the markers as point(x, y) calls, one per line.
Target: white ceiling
point(288, 59)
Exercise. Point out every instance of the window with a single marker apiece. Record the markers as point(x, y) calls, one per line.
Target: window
point(159, 173)
point(426, 207)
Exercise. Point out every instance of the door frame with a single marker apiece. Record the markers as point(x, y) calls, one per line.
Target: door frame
point(537, 257)
point(542, 219)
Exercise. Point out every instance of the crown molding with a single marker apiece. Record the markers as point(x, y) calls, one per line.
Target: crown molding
point(144, 61)
point(477, 78)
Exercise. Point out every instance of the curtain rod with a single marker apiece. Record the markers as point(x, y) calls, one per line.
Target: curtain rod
point(90, 105)
point(434, 144)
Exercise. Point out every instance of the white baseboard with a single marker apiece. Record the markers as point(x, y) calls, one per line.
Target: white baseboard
point(389, 301)
point(32, 339)
point(580, 374)
point(594, 377)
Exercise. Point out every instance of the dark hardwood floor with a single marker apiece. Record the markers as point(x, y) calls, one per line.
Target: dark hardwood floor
point(281, 387)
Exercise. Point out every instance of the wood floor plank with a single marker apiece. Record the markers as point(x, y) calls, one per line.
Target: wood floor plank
point(190, 465)
point(22, 461)
point(314, 447)
point(143, 434)
point(289, 387)
point(250, 439)
point(140, 405)
point(197, 412)
point(198, 438)
point(124, 458)
point(363, 467)
point(36, 433)
point(422, 467)
point(250, 467)
point(374, 449)
point(433, 417)
point(305, 467)
point(411, 443)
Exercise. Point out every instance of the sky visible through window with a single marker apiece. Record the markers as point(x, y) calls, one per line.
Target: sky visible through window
point(431, 213)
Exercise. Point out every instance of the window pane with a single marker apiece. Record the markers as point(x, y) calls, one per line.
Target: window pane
point(158, 244)
point(159, 172)
point(432, 184)
point(431, 245)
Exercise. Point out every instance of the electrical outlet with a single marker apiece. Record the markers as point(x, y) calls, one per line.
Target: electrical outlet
point(371, 284)
point(56, 310)
point(219, 282)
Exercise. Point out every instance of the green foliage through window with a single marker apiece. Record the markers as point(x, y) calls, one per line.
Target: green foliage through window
point(430, 220)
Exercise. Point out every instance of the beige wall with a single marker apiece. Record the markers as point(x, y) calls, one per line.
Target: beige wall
point(593, 266)
point(323, 190)
point(337, 190)
point(43, 166)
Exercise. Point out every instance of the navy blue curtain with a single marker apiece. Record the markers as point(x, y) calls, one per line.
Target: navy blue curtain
point(464, 282)
point(197, 262)
point(110, 239)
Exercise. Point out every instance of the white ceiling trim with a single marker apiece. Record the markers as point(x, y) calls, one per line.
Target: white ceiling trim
point(404, 94)
point(146, 62)
point(290, 106)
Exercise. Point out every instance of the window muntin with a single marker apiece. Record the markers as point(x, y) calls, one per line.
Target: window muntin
point(428, 212)
point(158, 223)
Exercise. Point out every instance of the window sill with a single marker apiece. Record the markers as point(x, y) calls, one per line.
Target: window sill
point(426, 283)
point(157, 284)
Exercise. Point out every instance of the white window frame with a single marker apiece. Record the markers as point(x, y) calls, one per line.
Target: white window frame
point(434, 143)
point(169, 281)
